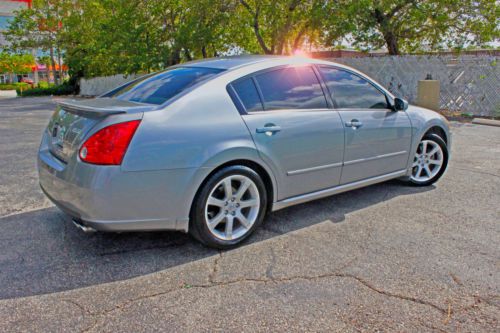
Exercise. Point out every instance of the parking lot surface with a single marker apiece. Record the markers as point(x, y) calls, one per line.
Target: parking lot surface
point(384, 258)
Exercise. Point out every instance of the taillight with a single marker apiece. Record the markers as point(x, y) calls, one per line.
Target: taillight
point(108, 145)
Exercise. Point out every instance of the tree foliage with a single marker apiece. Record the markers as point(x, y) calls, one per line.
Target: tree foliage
point(40, 27)
point(415, 25)
point(12, 63)
point(103, 37)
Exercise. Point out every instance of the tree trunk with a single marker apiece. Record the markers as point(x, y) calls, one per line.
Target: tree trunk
point(53, 64)
point(204, 51)
point(187, 54)
point(392, 43)
point(256, 28)
point(298, 38)
point(384, 23)
point(60, 64)
point(174, 58)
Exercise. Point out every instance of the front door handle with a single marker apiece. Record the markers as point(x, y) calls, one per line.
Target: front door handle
point(354, 123)
point(268, 129)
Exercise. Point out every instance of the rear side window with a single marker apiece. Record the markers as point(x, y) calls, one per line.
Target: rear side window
point(161, 87)
point(291, 88)
point(247, 92)
point(351, 91)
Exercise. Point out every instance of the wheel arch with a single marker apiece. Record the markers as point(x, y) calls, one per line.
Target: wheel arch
point(437, 130)
point(262, 170)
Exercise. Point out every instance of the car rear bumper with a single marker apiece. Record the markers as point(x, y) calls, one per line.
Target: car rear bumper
point(109, 199)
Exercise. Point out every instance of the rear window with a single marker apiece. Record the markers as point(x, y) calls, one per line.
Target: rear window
point(159, 88)
point(247, 92)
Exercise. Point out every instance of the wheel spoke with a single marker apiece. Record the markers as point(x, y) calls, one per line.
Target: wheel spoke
point(228, 188)
point(249, 203)
point(243, 220)
point(216, 220)
point(424, 147)
point(229, 227)
point(243, 188)
point(415, 163)
point(419, 171)
point(436, 162)
point(428, 170)
point(434, 150)
point(216, 202)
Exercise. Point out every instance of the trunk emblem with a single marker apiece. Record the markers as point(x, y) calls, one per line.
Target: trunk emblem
point(58, 134)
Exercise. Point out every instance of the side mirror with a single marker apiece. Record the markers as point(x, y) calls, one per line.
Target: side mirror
point(400, 104)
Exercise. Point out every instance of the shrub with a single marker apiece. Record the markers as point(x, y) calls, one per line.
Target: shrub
point(63, 89)
point(15, 86)
point(44, 84)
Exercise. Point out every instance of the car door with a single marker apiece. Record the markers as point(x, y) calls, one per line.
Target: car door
point(294, 130)
point(377, 138)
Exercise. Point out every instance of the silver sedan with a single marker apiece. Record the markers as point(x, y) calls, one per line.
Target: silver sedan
point(210, 147)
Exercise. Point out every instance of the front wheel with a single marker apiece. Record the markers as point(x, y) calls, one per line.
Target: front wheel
point(228, 208)
point(430, 160)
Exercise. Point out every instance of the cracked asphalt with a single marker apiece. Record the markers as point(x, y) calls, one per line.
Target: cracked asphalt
point(383, 258)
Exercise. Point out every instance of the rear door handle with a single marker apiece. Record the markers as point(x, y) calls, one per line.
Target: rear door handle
point(354, 123)
point(268, 129)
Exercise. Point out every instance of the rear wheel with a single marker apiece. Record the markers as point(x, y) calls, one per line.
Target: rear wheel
point(430, 160)
point(231, 204)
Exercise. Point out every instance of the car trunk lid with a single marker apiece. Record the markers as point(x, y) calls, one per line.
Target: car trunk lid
point(73, 119)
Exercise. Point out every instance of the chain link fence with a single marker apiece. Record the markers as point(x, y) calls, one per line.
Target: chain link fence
point(469, 84)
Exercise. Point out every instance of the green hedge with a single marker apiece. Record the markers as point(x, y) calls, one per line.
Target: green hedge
point(63, 89)
point(15, 86)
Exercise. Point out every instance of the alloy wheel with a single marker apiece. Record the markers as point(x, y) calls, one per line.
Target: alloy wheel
point(232, 207)
point(427, 162)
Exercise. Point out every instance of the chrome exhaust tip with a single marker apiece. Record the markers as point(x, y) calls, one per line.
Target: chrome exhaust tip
point(84, 228)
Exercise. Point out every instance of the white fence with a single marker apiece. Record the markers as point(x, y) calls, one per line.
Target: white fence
point(469, 84)
point(99, 85)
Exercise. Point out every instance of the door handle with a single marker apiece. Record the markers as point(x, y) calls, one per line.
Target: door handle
point(353, 123)
point(268, 129)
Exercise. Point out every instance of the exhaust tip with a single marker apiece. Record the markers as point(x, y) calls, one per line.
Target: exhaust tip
point(84, 228)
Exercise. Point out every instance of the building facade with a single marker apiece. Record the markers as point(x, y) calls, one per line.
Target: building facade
point(7, 9)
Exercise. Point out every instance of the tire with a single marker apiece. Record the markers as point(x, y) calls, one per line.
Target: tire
point(221, 220)
point(428, 162)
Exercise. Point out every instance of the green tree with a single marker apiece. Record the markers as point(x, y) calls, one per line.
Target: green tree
point(39, 27)
point(15, 64)
point(414, 25)
point(280, 26)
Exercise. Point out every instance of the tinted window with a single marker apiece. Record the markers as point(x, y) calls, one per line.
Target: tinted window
point(291, 88)
point(247, 92)
point(351, 91)
point(159, 88)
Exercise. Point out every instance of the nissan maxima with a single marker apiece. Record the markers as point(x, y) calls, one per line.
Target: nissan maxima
point(210, 147)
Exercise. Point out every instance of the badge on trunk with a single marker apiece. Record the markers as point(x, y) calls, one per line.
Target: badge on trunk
point(58, 135)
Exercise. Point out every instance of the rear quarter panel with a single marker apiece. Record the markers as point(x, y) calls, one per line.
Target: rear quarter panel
point(188, 133)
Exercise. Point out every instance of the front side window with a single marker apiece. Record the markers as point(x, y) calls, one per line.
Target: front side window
point(291, 88)
point(161, 87)
point(350, 91)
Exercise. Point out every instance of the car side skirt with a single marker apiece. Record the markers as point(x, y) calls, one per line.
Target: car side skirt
point(336, 190)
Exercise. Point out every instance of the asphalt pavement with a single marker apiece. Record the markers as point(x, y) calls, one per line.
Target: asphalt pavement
point(384, 258)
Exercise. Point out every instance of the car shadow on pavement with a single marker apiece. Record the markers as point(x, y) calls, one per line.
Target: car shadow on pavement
point(42, 252)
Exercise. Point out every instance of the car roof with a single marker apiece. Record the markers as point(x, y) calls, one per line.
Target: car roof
point(233, 62)
point(230, 63)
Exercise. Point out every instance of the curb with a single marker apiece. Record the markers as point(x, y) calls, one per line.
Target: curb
point(488, 122)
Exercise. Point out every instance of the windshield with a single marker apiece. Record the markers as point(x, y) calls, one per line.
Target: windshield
point(159, 88)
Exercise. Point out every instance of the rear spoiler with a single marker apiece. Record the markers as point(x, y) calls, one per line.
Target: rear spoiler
point(88, 111)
